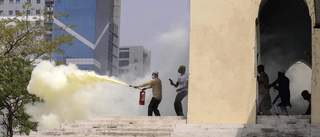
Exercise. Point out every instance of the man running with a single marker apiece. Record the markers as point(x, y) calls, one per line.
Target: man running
point(182, 89)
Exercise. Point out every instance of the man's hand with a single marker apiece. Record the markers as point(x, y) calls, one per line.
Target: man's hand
point(144, 88)
point(275, 87)
point(171, 82)
point(136, 87)
point(178, 90)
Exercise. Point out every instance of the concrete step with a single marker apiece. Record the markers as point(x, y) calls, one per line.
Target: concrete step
point(206, 134)
point(282, 119)
point(172, 126)
point(155, 129)
point(128, 121)
point(139, 118)
point(116, 125)
point(254, 126)
point(207, 130)
point(104, 133)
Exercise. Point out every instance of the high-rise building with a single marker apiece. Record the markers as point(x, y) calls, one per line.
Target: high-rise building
point(134, 60)
point(10, 8)
point(96, 34)
point(48, 8)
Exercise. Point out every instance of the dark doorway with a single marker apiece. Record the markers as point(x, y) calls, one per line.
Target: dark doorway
point(284, 35)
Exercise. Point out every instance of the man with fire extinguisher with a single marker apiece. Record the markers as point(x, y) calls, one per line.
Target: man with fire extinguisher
point(182, 89)
point(156, 86)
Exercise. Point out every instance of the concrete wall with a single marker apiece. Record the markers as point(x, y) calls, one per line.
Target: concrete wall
point(315, 81)
point(315, 87)
point(222, 84)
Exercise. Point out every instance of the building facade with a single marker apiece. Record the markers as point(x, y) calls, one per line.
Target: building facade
point(134, 60)
point(96, 32)
point(10, 8)
point(222, 81)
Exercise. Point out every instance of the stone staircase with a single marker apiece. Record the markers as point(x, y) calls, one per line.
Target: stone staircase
point(174, 126)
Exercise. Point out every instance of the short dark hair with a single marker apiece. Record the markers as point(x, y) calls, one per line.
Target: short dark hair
point(261, 66)
point(305, 93)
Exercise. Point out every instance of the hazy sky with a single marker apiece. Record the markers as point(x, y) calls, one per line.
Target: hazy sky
point(162, 27)
point(143, 20)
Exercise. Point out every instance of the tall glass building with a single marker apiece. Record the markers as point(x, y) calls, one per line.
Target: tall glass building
point(96, 34)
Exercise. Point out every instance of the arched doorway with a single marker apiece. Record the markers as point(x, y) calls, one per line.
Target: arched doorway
point(283, 37)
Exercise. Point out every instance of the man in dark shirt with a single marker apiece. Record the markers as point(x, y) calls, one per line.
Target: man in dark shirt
point(283, 98)
point(306, 96)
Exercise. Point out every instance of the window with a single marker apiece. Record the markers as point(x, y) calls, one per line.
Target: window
point(17, 12)
point(29, 1)
point(38, 1)
point(110, 47)
point(124, 55)
point(10, 12)
point(1, 2)
point(17, 1)
point(10, 1)
point(28, 12)
point(37, 12)
point(124, 48)
point(1, 12)
point(110, 58)
point(123, 63)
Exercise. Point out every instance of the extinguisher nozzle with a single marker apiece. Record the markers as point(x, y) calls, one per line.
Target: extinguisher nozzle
point(130, 86)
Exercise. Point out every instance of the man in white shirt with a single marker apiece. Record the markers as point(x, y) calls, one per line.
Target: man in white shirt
point(264, 100)
point(182, 89)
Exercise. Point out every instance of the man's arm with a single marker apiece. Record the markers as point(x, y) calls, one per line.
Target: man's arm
point(145, 85)
point(308, 112)
point(175, 85)
point(274, 83)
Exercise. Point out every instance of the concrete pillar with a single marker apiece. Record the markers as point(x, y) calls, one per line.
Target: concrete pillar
point(222, 82)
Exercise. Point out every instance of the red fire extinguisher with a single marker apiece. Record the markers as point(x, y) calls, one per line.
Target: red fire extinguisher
point(142, 97)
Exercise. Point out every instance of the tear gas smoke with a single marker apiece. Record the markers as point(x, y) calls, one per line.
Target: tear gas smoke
point(285, 34)
point(300, 79)
point(70, 94)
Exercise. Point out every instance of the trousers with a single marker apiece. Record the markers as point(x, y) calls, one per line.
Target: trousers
point(283, 108)
point(177, 102)
point(153, 107)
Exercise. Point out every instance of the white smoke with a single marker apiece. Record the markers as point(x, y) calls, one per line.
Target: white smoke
point(300, 79)
point(299, 75)
point(170, 50)
point(71, 94)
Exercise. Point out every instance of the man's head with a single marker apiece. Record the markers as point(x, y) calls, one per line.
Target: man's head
point(281, 72)
point(182, 69)
point(260, 68)
point(155, 74)
point(305, 94)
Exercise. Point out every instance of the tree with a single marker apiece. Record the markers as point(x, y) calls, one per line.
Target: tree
point(21, 42)
point(15, 75)
point(23, 35)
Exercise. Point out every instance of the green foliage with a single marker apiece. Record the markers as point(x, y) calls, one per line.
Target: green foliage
point(21, 42)
point(23, 35)
point(15, 75)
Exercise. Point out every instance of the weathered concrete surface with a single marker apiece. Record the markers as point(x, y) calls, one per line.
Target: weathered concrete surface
point(274, 126)
point(223, 43)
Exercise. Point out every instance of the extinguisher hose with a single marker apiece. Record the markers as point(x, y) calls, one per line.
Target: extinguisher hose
point(136, 88)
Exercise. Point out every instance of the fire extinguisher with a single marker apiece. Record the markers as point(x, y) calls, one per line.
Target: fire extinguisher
point(142, 97)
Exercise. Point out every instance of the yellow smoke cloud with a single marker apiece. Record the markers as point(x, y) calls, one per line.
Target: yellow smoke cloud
point(71, 94)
